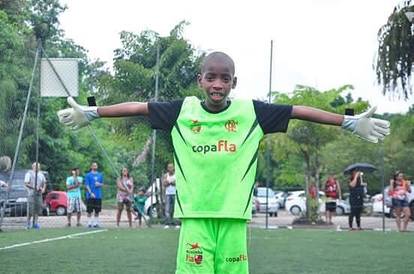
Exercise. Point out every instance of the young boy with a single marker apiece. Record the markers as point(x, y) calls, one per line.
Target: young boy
point(139, 205)
point(215, 152)
point(73, 187)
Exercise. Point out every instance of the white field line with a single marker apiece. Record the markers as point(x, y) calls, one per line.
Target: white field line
point(52, 239)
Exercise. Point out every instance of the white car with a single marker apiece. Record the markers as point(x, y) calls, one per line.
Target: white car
point(281, 198)
point(377, 205)
point(296, 203)
point(273, 205)
point(151, 204)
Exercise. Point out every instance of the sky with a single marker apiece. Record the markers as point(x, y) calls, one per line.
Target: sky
point(319, 43)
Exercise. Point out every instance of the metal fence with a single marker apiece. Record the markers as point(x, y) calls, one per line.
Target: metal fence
point(272, 208)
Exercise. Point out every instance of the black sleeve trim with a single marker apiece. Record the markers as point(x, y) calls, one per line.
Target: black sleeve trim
point(163, 115)
point(272, 117)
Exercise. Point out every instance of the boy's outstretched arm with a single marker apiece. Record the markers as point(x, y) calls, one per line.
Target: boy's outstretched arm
point(316, 115)
point(78, 116)
point(362, 125)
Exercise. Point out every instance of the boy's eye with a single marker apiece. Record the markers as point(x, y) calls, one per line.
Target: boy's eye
point(209, 76)
point(226, 79)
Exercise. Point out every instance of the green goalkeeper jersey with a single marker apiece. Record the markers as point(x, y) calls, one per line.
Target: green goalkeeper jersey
point(215, 157)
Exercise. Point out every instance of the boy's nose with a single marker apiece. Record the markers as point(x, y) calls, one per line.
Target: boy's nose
point(217, 85)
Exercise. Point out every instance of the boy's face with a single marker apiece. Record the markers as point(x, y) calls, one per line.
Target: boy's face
point(170, 168)
point(217, 80)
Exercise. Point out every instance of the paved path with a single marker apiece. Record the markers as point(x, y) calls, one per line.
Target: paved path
point(284, 220)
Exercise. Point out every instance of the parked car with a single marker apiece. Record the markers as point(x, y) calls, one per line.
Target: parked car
point(377, 205)
point(16, 197)
point(281, 198)
point(152, 203)
point(342, 206)
point(273, 205)
point(56, 202)
point(296, 203)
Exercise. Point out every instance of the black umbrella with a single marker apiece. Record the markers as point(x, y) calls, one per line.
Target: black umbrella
point(365, 167)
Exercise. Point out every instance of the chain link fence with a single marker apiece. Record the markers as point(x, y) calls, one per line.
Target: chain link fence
point(147, 163)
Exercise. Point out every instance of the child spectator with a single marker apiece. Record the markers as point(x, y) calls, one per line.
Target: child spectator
point(139, 205)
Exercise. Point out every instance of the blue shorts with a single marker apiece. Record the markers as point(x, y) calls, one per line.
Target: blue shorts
point(397, 203)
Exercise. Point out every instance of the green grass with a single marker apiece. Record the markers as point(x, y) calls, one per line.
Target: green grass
point(154, 251)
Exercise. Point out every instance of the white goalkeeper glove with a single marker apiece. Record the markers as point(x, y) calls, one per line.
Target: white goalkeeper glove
point(367, 128)
point(77, 116)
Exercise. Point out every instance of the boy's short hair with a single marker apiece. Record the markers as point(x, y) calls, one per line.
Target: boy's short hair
point(218, 55)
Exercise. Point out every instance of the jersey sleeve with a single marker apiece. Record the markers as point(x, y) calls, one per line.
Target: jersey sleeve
point(272, 117)
point(163, 115)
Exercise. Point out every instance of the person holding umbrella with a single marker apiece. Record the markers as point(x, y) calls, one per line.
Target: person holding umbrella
point(399, 189)
point(356, 198)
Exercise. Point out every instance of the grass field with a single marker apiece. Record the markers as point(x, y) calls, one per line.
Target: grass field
point(154, 250)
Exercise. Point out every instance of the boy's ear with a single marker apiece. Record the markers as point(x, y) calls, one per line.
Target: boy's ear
point(199, 77)
point(234, 82)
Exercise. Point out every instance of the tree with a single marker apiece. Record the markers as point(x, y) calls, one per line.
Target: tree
point(395, 55)
point(133, 80)
point(305, 139)
point(17, 47)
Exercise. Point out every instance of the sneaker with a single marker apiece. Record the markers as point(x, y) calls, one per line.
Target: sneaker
point(166, 226)
point(68, 225)
point(177, 227)
point(78, 225)
point(90, 226)
point(96, 226)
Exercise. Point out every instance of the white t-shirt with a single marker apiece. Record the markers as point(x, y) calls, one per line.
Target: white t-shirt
point(30, 178)
point(170, 189)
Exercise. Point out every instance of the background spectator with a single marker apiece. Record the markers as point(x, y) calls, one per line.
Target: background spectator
point(125, 186)
point(356, 198)
point(35, 183)
point(168, 181)
point(93, 183)
point(73, 185)
point(139, 205)
point(332, 192)
point(398, 190)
